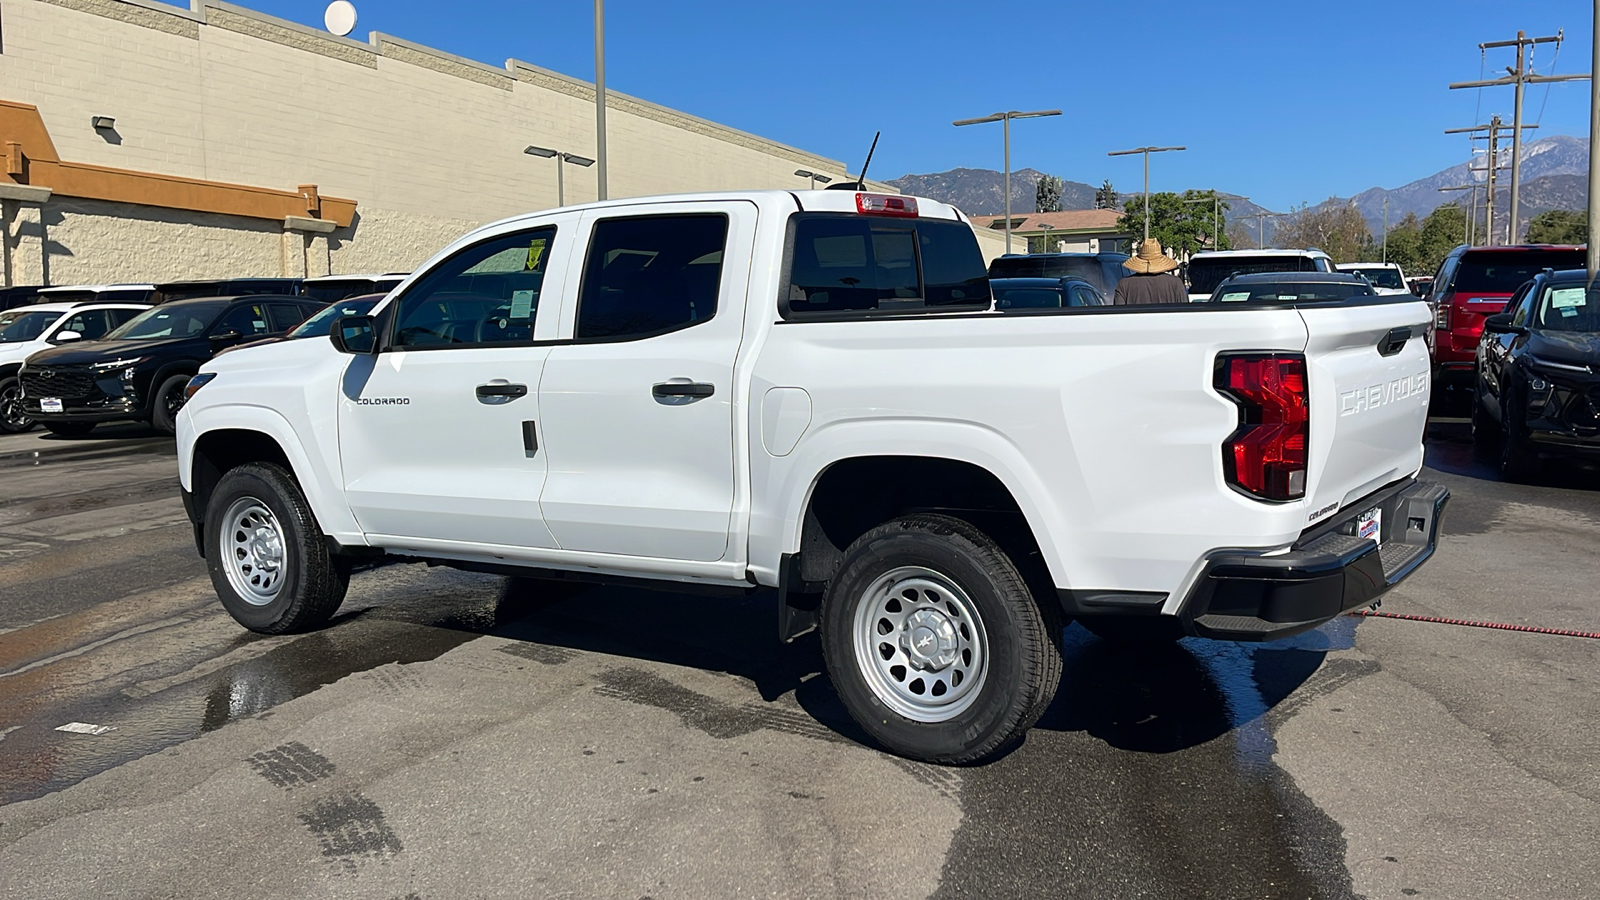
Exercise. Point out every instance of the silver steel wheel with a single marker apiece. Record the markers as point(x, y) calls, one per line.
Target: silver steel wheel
point(252, 551)
point(920, 644)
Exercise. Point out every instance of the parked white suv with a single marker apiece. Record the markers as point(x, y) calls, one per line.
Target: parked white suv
point(1387, 278)
point(25, 330)
point(808, 392)
point(1209, 268)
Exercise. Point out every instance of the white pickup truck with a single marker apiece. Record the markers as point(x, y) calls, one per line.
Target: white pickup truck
point(810, 392)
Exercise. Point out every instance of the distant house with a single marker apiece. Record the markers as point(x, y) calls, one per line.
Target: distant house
point(1070, 231)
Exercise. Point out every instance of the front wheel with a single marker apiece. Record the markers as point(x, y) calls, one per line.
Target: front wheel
point(265, 552)
point(12, 419)
point(935, 643)
point(168, 400)
point(1519, 461)
point(1485, 431)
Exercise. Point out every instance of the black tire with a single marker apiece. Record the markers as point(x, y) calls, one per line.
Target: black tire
point(1019, 650)
point(12, 418)
point(1485, 431)
point(309, 583)
point(69, 429)
point(1519, 462)
point(1133, 631)
point(167, 401)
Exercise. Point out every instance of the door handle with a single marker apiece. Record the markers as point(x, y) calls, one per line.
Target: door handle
point(1394, 341)
point(500, 392)
point(682, 391)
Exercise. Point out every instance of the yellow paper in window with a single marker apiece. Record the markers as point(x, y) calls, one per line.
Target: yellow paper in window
point(535, 253)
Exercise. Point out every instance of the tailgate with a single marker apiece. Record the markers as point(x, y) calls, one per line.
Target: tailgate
point(1369, 399)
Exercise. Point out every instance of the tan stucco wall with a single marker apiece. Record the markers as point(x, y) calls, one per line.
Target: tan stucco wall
point(427, 144)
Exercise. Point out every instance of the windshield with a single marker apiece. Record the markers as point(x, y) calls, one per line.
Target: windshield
point(1292, 292)
point(1569, 309)
point(18, 325)
point(1379, 276)
point(1503, 271)
point(321, 324)
point(186, 320)
point(1206, 273)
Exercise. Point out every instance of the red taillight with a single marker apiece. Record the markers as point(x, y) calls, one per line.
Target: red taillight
point(1266, 455)
point(886, 205)
point(1441, 316)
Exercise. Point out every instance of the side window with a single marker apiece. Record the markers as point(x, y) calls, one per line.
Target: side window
point(487, 293)
point(852, 263)
point(120, 317)
point(651, 275)
point(1523, 304)
point(90, 324)
point(247, 319)
point(285, 315)
point(1084, 295)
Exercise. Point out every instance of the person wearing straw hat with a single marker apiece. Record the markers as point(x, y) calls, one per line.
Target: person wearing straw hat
point(1150, 281)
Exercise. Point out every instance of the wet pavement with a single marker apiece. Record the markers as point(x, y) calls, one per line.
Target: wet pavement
point(455, 735)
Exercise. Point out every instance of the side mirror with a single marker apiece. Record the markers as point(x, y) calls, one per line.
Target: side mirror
point(1501, 324)
point(354, 334)
point(225, 338)
point(63, 337)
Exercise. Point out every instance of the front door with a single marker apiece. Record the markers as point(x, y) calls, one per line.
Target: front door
point(639, 406)
point(439, 432)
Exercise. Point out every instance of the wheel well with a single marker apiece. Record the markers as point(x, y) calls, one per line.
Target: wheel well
point(8, 371)
point(215, 452)
point(853, 496)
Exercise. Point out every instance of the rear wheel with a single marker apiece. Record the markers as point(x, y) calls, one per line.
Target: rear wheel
point(1519, 462)
point(69, 429)
point(168, 400)
point(12, 418)
point(1485, 431)
point(265, 552)
point(935, 643)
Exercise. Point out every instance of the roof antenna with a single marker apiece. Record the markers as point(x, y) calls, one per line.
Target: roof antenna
point(860, 183)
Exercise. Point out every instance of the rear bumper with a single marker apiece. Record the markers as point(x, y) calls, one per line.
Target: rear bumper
point(1244, 596)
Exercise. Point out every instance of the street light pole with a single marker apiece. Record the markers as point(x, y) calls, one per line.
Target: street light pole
point(600, 94)
point(1216, 212)
point(1006, 117)
point(1594, 153)
point(561, 159)
point(814, 176)
point(1146, 151)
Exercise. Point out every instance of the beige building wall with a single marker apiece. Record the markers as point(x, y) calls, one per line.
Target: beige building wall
point(427, 144)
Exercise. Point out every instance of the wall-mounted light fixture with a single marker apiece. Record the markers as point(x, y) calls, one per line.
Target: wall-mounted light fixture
point(103, 123)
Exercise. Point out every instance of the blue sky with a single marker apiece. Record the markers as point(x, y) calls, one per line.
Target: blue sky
point(1286, 102)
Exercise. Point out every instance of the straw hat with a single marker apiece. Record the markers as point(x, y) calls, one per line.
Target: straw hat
point(1150, 259)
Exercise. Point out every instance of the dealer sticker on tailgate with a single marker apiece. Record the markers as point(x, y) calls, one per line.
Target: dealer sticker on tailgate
point(1370, 525)
point(50, 404)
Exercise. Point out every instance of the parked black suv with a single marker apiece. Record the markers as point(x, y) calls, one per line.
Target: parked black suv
point(225, 287)
point(1538, 374)
point(139, 371)
point(1103, 270)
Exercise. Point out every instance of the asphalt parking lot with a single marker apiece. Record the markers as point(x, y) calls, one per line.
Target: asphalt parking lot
point(457, 735)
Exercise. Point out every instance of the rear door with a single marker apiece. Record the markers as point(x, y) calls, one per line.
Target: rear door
point(1368, 380)
point(639, 406)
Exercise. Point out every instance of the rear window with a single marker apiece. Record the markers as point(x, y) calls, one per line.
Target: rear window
point(1206, 273)
point(1503, 271)
point(1292, 292)
point(852, 263)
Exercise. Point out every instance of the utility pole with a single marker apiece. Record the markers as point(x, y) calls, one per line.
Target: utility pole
point(1594, 151)
point(1146, 151)
point(1494, 130)
point(600, 97)
point(1386, 225)
point(1520, 76)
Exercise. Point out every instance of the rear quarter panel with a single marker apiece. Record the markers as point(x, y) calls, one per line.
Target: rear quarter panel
point(1104, 426)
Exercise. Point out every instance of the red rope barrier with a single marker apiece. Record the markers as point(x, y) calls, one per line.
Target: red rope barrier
point(1502, 626)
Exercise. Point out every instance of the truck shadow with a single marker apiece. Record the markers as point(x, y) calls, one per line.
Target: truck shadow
point(1140, 699)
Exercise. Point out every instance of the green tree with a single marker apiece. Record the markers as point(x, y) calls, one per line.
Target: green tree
point(1047, 194)
point(1559, 226)
point(1442, 231)
point(1405, 246)
point(1105, 197)
point(1182, 228)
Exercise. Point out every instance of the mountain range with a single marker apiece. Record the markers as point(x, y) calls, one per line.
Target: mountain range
point(1554, 176)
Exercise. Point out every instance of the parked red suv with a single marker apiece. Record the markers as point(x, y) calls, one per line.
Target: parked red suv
point(1475, 282)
